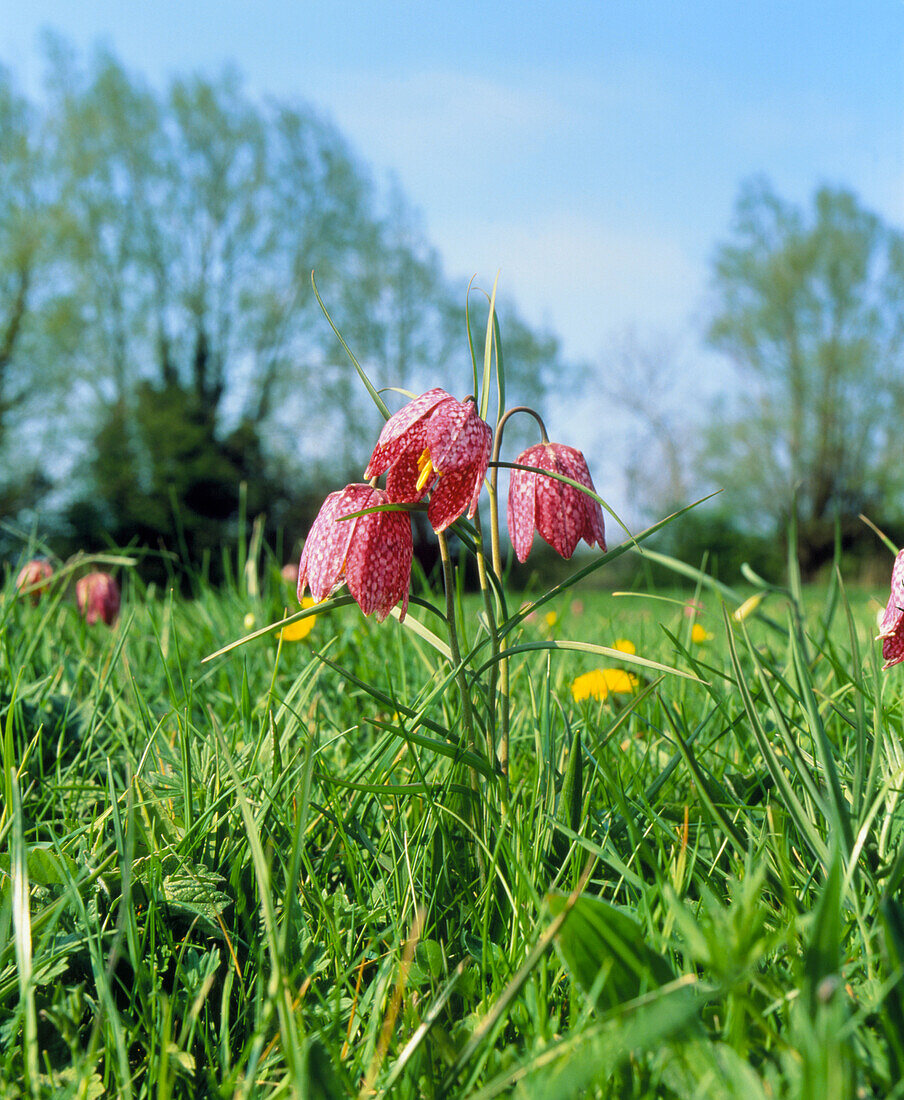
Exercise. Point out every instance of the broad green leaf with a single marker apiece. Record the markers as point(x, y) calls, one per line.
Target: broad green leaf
point(606, 951)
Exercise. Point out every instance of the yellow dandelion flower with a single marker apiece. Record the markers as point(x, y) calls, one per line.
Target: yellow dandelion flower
point(550, 618)
point(294, 632)
point(625, 645)
point(700, 634)
point(601, 682)
point(620, 682)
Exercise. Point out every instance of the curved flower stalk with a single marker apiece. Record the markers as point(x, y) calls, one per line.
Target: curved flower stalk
point(561, 513)
point(438, 445)
point(891, 626)
point(371, 553)
point(97, 596)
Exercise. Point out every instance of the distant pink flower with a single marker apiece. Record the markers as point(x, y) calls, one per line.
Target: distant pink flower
point(35, 575)
point(289, 572)
point(692, 608)
point(434, 444)
point(371, 553)
point(97, 596)
point(891, 626)
point(561, 513)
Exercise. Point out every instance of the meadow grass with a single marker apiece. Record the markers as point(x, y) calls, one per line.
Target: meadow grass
point(265, 874)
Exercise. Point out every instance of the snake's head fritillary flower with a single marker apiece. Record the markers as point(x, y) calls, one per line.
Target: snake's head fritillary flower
point(97, 596)
point(34, 578)
point(561, 513)
point(438, 445)
point(371, 553)
point(891, 626)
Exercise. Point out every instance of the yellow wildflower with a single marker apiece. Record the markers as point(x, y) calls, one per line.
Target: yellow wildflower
point(294, 632)
point(249, 621)
point(601, 682)
point(625, 645)
point(700, 634)
point(550, 618)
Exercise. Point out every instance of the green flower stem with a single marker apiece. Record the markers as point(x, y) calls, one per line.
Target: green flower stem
point(505, 701)
point(494, 641)
point(467, 712)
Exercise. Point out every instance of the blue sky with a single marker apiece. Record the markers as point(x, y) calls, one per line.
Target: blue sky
point(591, 150)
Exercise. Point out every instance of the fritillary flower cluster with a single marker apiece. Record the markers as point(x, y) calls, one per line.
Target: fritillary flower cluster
point(439, 448)
point(96, 594)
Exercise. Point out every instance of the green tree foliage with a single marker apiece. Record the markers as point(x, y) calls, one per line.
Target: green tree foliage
point(178, 325)
point(808, 307)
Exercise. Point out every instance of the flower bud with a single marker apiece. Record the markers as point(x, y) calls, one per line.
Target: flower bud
point(34, 578)
point(97, 596)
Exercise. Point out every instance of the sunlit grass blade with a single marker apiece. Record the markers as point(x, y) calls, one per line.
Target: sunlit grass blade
point(374, 394)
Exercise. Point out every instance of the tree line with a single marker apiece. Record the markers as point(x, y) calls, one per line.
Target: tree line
point(807, 304)
point(161, 345)
point(160, 341)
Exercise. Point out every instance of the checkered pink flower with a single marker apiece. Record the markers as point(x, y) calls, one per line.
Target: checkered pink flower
point(434, 444)
point(561, 513)
point(371, 553)
point(891, 626)
point(34, 577)
point(97, 596)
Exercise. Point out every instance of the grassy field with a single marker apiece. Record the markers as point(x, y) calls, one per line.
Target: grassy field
point(279, 872)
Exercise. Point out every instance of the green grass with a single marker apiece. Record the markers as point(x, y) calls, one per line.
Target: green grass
point(264, 875)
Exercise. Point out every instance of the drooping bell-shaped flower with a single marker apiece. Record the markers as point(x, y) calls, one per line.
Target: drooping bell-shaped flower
point(891, 626)
point(97, 596)
point(371, 553)
point(561, 513)
point(34, 578)
point(438, 445)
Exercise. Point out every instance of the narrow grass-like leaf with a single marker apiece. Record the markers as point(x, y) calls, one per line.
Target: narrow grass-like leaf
point(374, 394)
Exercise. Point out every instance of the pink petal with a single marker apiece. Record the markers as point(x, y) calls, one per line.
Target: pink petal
point(455, 435)
point(449, 499)
point(401, 481)
point(894, 610)
point(521, 510)
point(379, 561)
point(560, 515)
point(893, 649)
point(574, 465)
point(394, 436)
point(322, 563)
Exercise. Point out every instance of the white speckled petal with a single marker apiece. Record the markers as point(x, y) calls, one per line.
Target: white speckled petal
point(574, 465)
point(559, 507)
point(894, 609)
point(378, 567)
point(322, 563)
point(456, 435)
point(893, 649)
point(394, 438)
point(401, 481)
point(520, 511)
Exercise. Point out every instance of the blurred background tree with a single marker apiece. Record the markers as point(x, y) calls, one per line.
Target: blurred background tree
point(809, 306)
point(161, 345)
point(157, 315)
